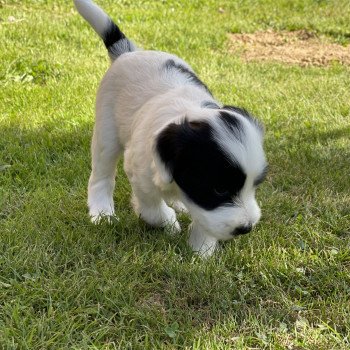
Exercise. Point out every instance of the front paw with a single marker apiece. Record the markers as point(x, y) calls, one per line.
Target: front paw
point(201, 243)
point(179, 207)
point(97, 217)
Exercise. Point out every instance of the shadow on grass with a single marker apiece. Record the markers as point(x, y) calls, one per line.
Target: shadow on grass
point(343, 132)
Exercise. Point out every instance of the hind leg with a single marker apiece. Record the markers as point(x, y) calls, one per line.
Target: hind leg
point(203, 244)
point(155, 211)
point(146, 198)
point(105, 150)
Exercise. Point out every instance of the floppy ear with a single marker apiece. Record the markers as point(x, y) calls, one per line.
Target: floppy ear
point(173, 143)
point(243, 112)
point(166, 149)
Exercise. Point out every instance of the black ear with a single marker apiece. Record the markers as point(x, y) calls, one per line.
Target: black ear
point(244, 113)
point(167, 147)
point(172, 142)
point(237, 110)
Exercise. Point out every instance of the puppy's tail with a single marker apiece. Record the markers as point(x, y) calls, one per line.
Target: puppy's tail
point(114, 39)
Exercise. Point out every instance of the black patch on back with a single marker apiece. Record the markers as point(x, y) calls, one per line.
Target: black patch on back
point(198, 164)
point(112, 35)
point(243, 112)
point(191, 77)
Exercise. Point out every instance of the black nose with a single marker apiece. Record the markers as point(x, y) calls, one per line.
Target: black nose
point(242, 230)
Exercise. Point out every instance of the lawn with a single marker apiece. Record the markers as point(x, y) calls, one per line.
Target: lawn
point(67, 284)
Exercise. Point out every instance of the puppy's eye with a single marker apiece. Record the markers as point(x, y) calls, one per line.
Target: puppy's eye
point(221, 192)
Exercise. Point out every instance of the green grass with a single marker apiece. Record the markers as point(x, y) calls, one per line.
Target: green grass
point(67, 284)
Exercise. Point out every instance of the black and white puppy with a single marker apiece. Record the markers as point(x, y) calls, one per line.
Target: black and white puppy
point(181, 147)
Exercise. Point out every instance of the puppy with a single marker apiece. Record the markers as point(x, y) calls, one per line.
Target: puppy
point(182, 148)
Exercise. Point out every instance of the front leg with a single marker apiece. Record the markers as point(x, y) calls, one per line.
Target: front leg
point(202, 243)
point(147, 198)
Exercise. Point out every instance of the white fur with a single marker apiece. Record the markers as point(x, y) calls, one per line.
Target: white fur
point(93, 14)
point(129, 115)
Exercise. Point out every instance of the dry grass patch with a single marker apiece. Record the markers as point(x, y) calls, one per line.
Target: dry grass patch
point(298, 47)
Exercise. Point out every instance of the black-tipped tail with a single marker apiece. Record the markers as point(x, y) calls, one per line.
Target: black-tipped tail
point(115, 40)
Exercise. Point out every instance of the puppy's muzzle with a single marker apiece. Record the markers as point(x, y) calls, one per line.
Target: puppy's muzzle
point(242, 230)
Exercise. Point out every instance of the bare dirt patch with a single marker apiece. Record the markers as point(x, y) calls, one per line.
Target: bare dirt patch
point(298, 47)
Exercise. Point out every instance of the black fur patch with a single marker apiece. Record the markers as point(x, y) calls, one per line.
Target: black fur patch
point(233, 124)
point(170, 64)
point(112, 35)
point(243, 112)
point(198, 165)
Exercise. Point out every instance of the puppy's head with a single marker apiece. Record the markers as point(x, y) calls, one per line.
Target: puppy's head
point(217, 163)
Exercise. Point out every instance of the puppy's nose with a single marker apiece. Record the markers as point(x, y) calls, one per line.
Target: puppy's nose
point(242, 230)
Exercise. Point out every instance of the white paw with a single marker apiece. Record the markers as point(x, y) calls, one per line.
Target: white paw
point(201, 243)
point(179, 207)
point(98, 215)
point(206, 251)
point(97, 219)
point(159, 215)
point(100, 200)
